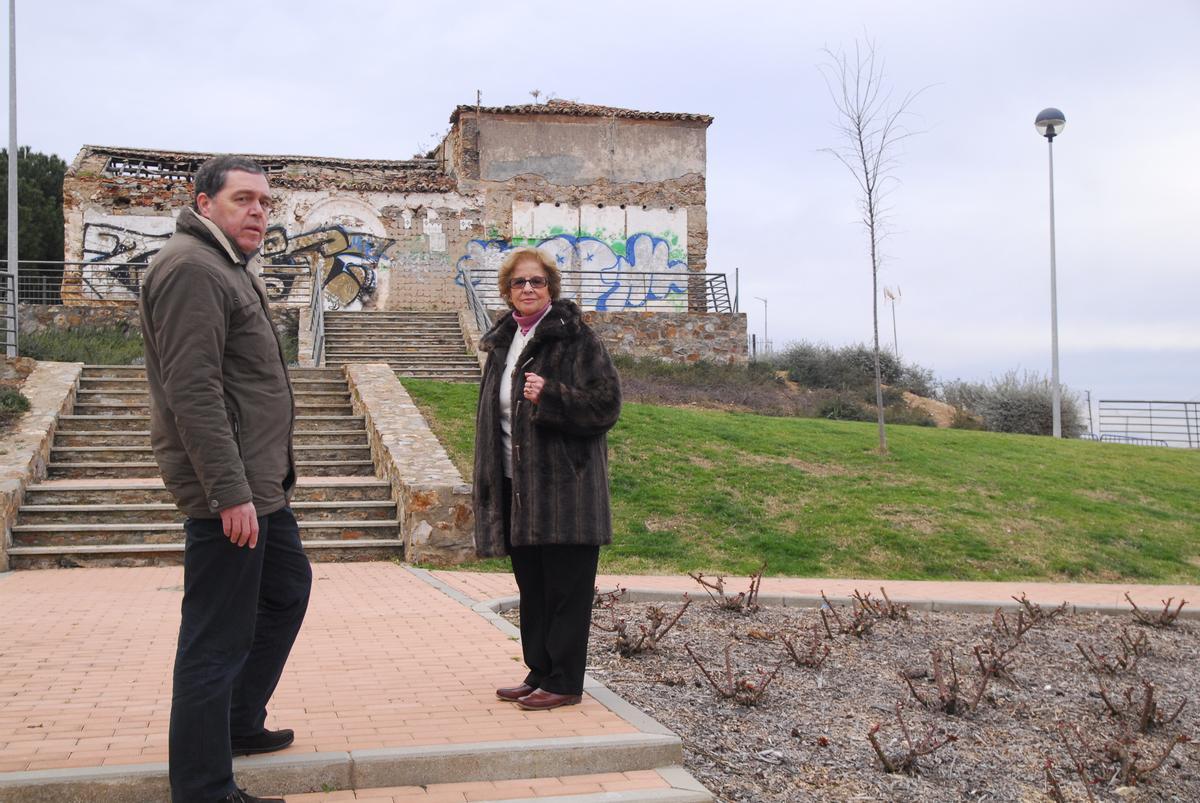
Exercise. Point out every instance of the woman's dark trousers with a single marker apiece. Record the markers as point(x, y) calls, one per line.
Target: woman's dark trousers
point(242, 609)
point(557, 584)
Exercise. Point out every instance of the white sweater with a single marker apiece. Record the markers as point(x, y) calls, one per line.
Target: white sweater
point(506, 384)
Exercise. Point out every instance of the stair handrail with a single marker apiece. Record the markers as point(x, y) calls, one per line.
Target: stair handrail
point(483, 319)
point(317, 325)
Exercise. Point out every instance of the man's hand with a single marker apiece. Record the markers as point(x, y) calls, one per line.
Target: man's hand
point(241, 524)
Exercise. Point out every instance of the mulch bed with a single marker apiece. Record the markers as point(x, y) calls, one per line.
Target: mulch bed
point(807, 736)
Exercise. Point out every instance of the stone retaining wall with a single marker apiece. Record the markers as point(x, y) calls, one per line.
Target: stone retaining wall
point(51, 392)
point(36, 317)
point(673, 336)
point(433, 502)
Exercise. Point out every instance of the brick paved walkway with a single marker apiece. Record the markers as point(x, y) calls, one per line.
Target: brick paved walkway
point(520, 788)
point(383, 660)
point(484, 586)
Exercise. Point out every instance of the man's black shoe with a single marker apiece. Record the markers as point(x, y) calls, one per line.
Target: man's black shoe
point(265, 742)
point(242, 796)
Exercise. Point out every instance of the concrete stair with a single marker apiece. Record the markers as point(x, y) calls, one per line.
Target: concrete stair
point(421, 345)
point(103, 502)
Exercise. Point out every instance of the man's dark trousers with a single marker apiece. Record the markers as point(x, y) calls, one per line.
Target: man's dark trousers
point(242, 609)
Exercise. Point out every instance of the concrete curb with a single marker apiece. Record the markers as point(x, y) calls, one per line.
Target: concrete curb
point(917, 604)
point(361, 769)
point(500, 761)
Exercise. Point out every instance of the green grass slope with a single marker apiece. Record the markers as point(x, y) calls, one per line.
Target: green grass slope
point(722, 492)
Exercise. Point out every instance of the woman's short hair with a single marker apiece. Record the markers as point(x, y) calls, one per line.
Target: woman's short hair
point(548, 263)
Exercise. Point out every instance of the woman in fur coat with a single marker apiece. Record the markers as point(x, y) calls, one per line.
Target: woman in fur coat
point(549, 394)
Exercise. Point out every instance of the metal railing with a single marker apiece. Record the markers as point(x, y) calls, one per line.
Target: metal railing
point(316, 325)
point(43, 282)
point(677, 291)
point(1165, 423)
point(8, 317)
point(71, 282)
point(483, 319)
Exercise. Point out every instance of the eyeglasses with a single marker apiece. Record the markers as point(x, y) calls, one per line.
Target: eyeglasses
point(536, 282)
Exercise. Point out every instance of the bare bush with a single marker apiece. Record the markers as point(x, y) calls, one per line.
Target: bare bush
point(952, 697)
point(811, 654)
point(648, 635)
point(743, 689)
point(1164, 618)
point(933, 740)
point(885, 609)
point(1119, 760)
point(1141, 713)
point(742, 602)
point(860, 623)
point(1132, 650)
point(1037, 614)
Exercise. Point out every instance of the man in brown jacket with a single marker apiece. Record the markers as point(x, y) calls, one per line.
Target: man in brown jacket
point(221, 420)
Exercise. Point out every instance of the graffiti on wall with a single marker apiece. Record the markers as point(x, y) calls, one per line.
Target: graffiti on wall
point(347, 261)
point(110, 254)
point(612, 258)
point(642, 276)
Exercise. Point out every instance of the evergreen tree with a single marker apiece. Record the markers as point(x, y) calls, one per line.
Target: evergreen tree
point(40, 211)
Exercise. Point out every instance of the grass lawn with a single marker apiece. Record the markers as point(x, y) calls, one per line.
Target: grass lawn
point(722, 492)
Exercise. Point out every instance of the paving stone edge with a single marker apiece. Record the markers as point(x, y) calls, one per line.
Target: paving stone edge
point(360, 769)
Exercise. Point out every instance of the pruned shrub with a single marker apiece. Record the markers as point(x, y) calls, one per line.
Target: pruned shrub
point(1020, 403)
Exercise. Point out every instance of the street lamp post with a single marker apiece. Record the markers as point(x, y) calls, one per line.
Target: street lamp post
point(10, 290)
point(766, 339)
point(1050, 123)
point(893, 298)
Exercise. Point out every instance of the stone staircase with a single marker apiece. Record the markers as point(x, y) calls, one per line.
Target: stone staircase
point(421, 345)
point(103, 502)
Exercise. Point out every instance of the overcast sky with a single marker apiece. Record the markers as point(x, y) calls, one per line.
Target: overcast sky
point(969, 238)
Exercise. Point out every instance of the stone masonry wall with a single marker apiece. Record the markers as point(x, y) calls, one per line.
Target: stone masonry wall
point(37, 317)
point(434, 504)
point(51, 392)
point(673, 337)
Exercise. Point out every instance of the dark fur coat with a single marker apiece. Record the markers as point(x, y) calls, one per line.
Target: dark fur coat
point(560, 450)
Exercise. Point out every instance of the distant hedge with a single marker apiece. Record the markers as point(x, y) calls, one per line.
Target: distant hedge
point(1015, 402)
point(816, 365)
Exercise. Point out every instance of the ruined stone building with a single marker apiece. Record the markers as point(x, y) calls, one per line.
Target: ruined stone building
point(616, 195)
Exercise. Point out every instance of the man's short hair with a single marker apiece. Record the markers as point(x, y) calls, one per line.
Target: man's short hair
point(210, 178)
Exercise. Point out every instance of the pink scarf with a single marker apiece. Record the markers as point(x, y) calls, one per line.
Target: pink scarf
point(527, 322)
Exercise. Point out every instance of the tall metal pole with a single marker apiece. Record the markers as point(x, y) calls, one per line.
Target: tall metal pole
point(1057, 404)
point(766, 337)
point(11, 300)
point(895, 338)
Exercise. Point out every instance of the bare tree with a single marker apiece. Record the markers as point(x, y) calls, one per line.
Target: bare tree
point(869, 125)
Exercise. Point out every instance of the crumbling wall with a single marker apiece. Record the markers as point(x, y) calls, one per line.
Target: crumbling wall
point(599, 193)
point(371, 239)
